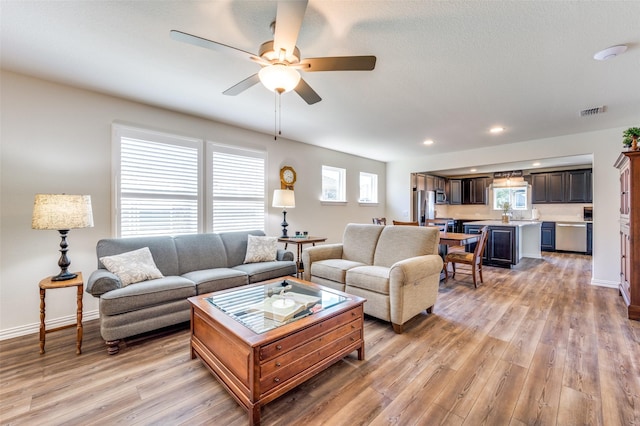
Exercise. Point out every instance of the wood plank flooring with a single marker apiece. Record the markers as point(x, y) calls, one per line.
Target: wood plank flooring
point(534, 345)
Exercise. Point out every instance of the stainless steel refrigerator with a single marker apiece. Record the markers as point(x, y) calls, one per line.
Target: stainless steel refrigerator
point(424, 205)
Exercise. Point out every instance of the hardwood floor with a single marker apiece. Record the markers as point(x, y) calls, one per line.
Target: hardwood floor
point(535, 345)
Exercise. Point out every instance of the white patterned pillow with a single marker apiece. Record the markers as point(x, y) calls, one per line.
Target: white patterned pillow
point(261, 249)
point(133, 266)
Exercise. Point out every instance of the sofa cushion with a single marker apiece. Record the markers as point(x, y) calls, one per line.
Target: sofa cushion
point(403, 242)
point(261, 249)
point(333, 269)
point(145, 294)
point(235, 244)
point(210, 280)
point(373, 278)
point(162, 248)
point(200, 251)
point(359, 242)
point(133, 266)
point(263, 271)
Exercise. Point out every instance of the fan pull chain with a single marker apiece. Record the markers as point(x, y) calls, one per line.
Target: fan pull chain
point(275, 117)
point(280, 115)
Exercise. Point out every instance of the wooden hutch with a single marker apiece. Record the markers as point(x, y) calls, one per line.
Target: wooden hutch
point(629, 165)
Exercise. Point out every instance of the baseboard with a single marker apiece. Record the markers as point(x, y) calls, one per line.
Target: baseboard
point(23, 330)
point(604, 283)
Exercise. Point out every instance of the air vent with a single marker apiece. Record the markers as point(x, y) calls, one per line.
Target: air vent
point(593, 111)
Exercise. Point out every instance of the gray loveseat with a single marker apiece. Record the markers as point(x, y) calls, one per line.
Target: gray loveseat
point(396, 268)
point(191, 265)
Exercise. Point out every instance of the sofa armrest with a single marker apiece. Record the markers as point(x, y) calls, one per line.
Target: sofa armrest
point(413, 286)
point(102, 281)
point(317, 253)
point(284, 255)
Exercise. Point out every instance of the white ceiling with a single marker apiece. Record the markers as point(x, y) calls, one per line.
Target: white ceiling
point(446, 70)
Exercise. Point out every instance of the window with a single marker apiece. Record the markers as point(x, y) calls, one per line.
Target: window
point(516, 196)
point(157, 184)
point(238, 189)
point(333, 184)
point(160, 188)
point(368, 188)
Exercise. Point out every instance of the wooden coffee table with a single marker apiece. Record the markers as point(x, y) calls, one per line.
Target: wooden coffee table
point(257, 358)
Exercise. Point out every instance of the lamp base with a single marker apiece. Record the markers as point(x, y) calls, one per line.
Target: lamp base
point(284, 225)
point(63, 276)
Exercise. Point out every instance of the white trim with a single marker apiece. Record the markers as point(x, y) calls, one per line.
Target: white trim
point(605, 283)
point(24, 330)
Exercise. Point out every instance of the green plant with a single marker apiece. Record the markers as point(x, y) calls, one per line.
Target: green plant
point(506, 207)
point(629, 134)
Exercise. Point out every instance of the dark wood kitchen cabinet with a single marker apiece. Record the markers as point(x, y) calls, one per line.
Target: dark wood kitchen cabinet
point(573, 186)
point(502, 245)
point(474, 191)
point(548, 236)
point(629, 165)
point(455, 191)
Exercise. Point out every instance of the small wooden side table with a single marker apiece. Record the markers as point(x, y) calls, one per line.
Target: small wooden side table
point(48, 284)
point(299, 242)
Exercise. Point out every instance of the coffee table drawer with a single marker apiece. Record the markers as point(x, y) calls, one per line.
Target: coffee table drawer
point(285, 360)
point(288, 343)
point(309, 357)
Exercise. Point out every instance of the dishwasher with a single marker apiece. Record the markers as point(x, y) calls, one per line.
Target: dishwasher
point(571, 236)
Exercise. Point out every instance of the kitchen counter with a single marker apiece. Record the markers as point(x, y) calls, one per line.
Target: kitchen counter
point(514, 223)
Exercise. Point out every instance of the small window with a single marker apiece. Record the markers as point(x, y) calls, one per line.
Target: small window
point(368, 188)
point(334, 184)
point(516, 196)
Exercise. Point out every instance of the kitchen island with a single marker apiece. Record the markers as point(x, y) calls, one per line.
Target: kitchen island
point(507, 243)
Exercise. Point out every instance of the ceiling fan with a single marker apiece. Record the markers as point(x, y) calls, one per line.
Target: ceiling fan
point(280, 58)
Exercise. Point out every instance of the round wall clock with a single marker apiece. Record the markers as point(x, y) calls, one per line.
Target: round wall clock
point(287, 177)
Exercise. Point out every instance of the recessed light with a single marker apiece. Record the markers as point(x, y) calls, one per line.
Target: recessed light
point(497, 129)
point(610, 52)
point(536, 164)
point(473, 170)
point(428, 142)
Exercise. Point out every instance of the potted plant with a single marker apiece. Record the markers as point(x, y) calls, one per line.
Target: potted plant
point(630, 138)
point(506, 212)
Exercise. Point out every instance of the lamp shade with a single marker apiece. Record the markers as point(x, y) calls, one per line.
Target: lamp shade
point(284, 198)
point(62, 211)
point(279, 78)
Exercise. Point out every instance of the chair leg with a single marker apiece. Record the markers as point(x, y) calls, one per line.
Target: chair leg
point(446, 271)
point(453, 269)
point(473, 272)
point(480, 272)
point(398, 328)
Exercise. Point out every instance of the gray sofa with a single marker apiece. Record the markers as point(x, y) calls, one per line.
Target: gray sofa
point(396, 268)
point(191, 265)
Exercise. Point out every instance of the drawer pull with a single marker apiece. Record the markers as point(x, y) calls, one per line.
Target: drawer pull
point(353, 326)
point(276, 380)
point(278, 364)
point(279, 347)
point(352, 339)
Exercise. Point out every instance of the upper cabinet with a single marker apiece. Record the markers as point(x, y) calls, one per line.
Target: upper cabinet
point(573, 186)
point(455, 191)
point(474, 191)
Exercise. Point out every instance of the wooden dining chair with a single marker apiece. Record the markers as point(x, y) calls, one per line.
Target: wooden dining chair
point(379, 220)
point(440, 224)
point(397, 222)
point(474, 260)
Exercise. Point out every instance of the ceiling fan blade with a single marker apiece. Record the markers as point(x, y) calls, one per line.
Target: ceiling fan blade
point(242, 86)
point(209, 44)
point(307, 93)
point(339, 63)
point(288, 22)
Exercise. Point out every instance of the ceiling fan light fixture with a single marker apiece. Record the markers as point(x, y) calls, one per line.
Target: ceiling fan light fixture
point(279, 78)
point(610, 52)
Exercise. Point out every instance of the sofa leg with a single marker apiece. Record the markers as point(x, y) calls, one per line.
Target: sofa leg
point(430, 309)
point(112, 346)
point(398, 328)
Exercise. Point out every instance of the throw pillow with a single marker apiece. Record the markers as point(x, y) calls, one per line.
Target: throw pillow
point(261, 249)
point(133, 266)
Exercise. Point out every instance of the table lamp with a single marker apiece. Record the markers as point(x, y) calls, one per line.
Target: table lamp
point(62, 212)
point(284, 198)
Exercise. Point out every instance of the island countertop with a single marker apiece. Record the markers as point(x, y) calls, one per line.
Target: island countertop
point(513, 223)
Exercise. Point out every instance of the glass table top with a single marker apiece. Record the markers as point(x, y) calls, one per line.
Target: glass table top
point(265, 307)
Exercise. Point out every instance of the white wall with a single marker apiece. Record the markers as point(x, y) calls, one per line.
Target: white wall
point(605, 146)
point(56, 138)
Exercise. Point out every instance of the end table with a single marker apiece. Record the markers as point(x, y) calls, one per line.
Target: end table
point(48, 284)
point(299, 242)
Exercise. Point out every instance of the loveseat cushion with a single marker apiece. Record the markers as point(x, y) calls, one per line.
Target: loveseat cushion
point(200, 251)
point(333, 269)
point(263, 271)
point(403, 242)
point(146, 293)
point(373, 278)
point(359, 242)
point(210, 280)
